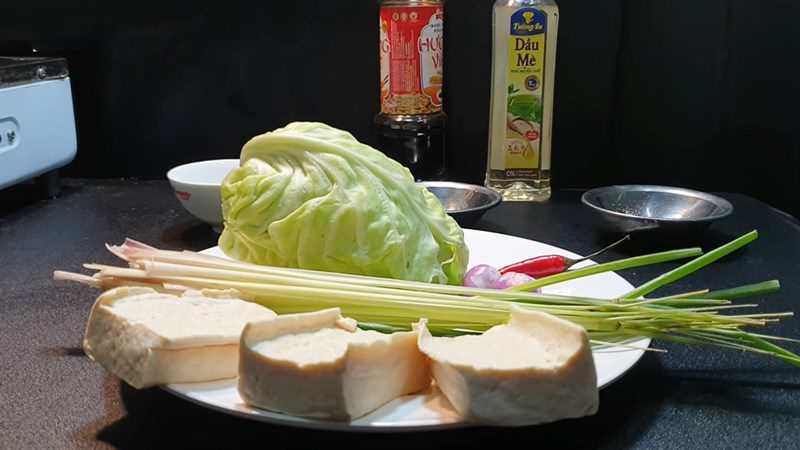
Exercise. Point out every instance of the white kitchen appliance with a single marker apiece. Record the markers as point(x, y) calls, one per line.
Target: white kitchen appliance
point(37, 123)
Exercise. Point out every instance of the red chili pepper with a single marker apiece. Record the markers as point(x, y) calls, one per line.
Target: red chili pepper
point(546, 265)
point(539, 266)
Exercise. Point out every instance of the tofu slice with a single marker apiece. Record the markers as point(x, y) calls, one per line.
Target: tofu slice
point(321, 365)
point(148, 338)
point(535, 369)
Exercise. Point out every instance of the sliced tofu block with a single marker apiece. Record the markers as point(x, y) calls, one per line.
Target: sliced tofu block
point(148, 338)
point(320, 365)
point(535, 369)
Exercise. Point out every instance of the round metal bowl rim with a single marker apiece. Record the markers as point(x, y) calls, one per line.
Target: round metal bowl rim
point(719, 201)
point(495, 197)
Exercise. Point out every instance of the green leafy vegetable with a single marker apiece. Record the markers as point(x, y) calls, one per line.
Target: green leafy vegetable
point(311, 196)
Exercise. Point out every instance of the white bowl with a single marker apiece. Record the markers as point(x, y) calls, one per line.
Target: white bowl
point(197, 186)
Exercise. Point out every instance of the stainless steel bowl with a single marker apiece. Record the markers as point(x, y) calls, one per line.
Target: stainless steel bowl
point(464, 202)
point(632, 208)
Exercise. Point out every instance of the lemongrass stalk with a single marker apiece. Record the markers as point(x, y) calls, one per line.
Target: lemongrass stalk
point(461, 305)
point(458, 302)
point(170, 271)
point(683, 295)
point(684, 302)
point(676, 302)
point(691, 266)
point(721, 307)
point(654, 315)
point(273, 294)
point(768, 315)
point(676, 323)
point(157, 268)
point(161, 269)
point(591, 322)
point(191, 259)
point(700, 293)
point(298, 294)
point(211, 261)
point(675, 312)
point(706, 319)
point(627, 263)
point(699, 339)
point(274, 297)
point(196, 279)
point(169, 258)
point(247, 287)
point(199, 281)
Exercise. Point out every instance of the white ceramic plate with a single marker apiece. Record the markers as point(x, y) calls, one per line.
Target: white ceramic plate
point(430, 409)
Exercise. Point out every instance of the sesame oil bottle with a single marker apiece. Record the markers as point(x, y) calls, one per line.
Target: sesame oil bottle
point(520, 123)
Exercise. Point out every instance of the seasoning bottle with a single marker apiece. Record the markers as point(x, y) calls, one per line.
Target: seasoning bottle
point(410, 126)
point(520, 123)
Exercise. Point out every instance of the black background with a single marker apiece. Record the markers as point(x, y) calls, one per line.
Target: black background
point(694, 93)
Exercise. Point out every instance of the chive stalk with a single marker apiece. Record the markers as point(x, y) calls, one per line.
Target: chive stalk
point(750, 290)
point(691, 266)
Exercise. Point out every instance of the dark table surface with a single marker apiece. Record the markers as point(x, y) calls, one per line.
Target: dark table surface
point(51, 395)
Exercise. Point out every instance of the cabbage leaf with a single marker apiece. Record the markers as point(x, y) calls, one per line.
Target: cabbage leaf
point(311, 196)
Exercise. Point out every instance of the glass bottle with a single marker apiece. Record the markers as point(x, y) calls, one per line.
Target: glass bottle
point(410, 126)
point(520, 123)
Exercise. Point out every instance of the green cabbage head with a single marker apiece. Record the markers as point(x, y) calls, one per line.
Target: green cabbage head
point(312, 196)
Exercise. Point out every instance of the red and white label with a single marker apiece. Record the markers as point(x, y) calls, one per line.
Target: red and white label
point(532, 135)
point(411, 48)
